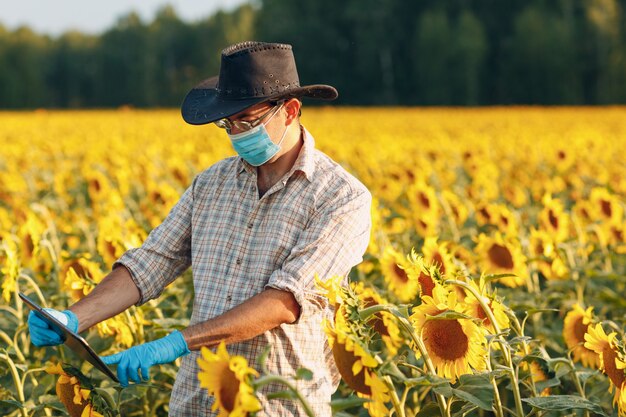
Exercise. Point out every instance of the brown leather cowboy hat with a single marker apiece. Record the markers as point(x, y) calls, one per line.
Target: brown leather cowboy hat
point(250, 73)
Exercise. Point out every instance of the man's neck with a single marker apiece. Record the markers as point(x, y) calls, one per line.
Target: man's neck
point(269, 174)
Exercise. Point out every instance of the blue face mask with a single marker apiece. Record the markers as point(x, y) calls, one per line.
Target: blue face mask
point(255, 145)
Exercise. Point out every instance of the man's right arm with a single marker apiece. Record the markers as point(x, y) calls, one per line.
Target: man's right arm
point(114, 294)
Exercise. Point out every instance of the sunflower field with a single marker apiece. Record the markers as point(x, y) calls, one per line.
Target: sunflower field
point(493, 285)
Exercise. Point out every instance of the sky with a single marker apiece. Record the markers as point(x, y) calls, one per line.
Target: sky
point(54, 17)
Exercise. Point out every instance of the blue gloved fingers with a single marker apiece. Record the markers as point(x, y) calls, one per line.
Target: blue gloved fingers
point(145, 371)
point(41, 334)
point(133, 369)
point(122, 371)
point(112, 359)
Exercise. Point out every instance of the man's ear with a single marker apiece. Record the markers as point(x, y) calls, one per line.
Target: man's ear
point(292, 106)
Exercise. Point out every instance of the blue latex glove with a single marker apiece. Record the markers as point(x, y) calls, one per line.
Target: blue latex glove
point(164, 350)
point(42, 334)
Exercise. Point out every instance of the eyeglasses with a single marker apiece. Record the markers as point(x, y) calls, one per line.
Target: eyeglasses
point(245, 125)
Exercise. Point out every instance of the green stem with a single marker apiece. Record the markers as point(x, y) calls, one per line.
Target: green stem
point(35, 287)
point(10, 342)
point(16, 380)
point(404, 322)
point(268, 379)
point(505, 351)
point(397, 404)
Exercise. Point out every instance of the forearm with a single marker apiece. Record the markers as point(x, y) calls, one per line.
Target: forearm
point(260, 313)
point(114, 294)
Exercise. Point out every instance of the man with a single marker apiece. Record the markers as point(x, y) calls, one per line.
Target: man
point(255, 229)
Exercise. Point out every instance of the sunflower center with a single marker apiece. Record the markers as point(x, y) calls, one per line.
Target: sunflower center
point(229, 388)
point(344, 360)
point(446, 339)
point(500, 256)
point(426, 284)
point(606, 207)
point(616, 375)
point(438, 260)
point(377, 321)
point(579, 330)
point(554, 220)
point(424, 200)
point(480, 313)
point(400, 273)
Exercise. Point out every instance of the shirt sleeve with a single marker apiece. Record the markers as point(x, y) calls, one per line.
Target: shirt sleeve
point(333, 242)
point(165, 254)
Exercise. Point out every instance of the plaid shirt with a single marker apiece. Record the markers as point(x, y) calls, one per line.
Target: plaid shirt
point(315, 220)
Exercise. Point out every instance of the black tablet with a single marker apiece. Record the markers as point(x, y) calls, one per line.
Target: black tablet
point(72, 340)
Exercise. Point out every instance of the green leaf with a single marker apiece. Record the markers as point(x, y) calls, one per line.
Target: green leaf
point(564, 403)
point(287, 395)
point(345, 403)
point(430, 410)
point(475, 389)
point(304, 374)
point(449, 315)
point(12, 403)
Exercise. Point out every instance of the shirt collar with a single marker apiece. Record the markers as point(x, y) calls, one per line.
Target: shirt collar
point(304, 163)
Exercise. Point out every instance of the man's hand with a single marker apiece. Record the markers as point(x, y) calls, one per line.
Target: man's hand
point(42, 334)
point(157, 352)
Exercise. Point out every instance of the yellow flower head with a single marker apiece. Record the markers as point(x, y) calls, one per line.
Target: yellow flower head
point(500, 255)
point(475, 309)
point(227, 378)
point(575, 326)
point(606, 206)
point(76, 397)
point(553, 219)
point(612, 362)
point(455, 345)
point(383, 323)
point(396, 270)
point(332, 289)
point(11, 266)
point(356, 364)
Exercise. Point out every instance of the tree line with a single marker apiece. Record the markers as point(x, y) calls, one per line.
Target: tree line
point(376, 52)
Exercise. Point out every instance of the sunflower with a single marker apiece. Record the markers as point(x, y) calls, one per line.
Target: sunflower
point(437, 254)
point(356, 364)
point(81, 275)
point(475, 309)
point(11, 269)
point(497, 215)
point(76, 397)
point(605, 205)
point(383, 323)
point(331, 288)
point(455, 345)
point(575, 325)
point(500, 255)
point(228, 378)
point(377, 227)
point(611, 361)
point(554, 219)
point(540, 373)
point(396, 270)
point(31, 233)
point(547, 259)
point(458, 209)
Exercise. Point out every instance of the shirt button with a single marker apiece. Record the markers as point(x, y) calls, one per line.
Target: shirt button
point(252, 188)
point(238, 261)
point(250, 225)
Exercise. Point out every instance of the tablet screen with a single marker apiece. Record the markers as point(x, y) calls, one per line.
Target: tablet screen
point(71, 339)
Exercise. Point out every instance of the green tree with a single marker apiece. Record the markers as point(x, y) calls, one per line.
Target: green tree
point(433, 57)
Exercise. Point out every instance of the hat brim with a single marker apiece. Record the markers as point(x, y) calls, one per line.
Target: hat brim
point(203, 105)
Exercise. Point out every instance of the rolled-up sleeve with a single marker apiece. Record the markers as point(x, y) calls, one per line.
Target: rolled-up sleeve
point(332, 243)
point(165, 254)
